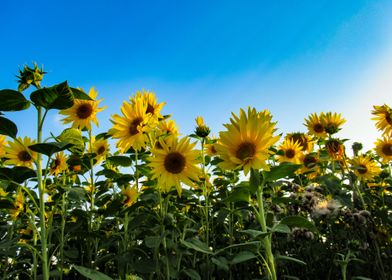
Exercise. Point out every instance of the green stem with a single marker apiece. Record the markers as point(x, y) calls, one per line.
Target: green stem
point(206, 207)
point(63, 217)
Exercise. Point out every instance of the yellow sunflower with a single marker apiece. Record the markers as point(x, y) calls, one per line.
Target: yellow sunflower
point(83, 112)
point(18, 203)
point(210, 149)
point(175, 164)
point(3, 143)
point(131, 194)
point(201, 129)
point(99, 147)
point(150, 100)
point(335, 149)
point(383, 116)
point(310, 165)
point(18, 153)
point(332, 122)
point(365, 168)
point(168, 127)
point(292, 152)
point(315, 126)
point(131, 127)
point(247, 140)
point(59, 164)
point(384, 149)
point(305, 141)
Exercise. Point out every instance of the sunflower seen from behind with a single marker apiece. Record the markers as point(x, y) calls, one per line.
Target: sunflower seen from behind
point(384, 149)
point(18, 153)
point(365, 168)
point(383, 117)
point(246, 142)
point(175, 164)
point(83, 112)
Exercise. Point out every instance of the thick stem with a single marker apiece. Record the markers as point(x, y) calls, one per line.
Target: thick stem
point(206, 207)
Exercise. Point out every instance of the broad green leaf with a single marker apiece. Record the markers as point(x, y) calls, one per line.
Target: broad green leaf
point(197, 245)
point(152, 241)
point(73, 136)
point(243, 256)
point(12, 100)
point(298, 221)
point(18, 174)
point(120, 160)
point(221, 263)
point(91, 273)
point(8, 128)
point(238, 194)
point(79, 94)
point(291, 259)
point(279, 227)
point(192, 273)
point(280, 171)
point(255, 233)
point(56, 97)
point(50, 148)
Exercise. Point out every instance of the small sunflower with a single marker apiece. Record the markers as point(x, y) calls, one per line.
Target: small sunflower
point(151, 103)
point(131, 127)
point(383, 116)
point(18, 153)
point(292, 152)
point(311, 165)
point(247, 140)
point(83, 112)
point(168, 127)
point(99, 147)
point(365, 167)
point(175, 164)
point(59, 164)
point(332, 122)
point(210, 150)
point(3, 143)
point(315, 126)
point(335, 149)
point(305, 141)
point(131, 194)
point(384, 149)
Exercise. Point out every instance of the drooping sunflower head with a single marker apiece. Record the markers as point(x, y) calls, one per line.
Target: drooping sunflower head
point(150, 103)
point(130, 128)
point(18, 153)
point(175, 164)
point(384, 149)
point(332, 122)
point(305, 141)
point(3, 143)
point(100, 147)
point(365, 168)
point(83, 112)
point(315, 126)
point(291, 152)
point(246, 142)
point(383, 118)
point(130, 195)
point(59, 164)
point(335, 148)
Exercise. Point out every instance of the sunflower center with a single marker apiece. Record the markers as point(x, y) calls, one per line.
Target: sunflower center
point(84, 111)
point(56, 163)
point(362, 169)
point(290, 153)
point(101, 150)
point(318, 128)
point(133, 130)
point(310, 161)
point(24, 156)
point(245, 150)
point(174, 162)
point(387, 149)
point(388, 117)
point(150, 109)
point(302, 141)
point(333, 146)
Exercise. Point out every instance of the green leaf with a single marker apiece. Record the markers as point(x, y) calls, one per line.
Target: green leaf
point(8, 128)
point(298, 221)
point(91, 273)
point(197, 245)
point(18, 174)
point(238, 194)
point(192, 273)
point(12, 100)
point(50, 148)
point(221, 263)
point(291, 259)
point(255, 233)
point(80, 94)
point(74, 137)
point(243, 256)
point(56, 97)
point(283, 228)
point(120, 160)
point(152, 241)
point(280, 171)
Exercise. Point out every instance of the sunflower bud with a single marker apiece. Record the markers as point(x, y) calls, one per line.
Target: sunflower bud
point(201, 129)
point(356, 148)
point(30, 76)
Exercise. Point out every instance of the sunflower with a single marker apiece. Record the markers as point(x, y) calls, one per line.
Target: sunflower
point(384, 149)
point(18, 203)
point(335, 149)
point(168, 127)
point(315, 126)
point(310, 164)
point(365, 168)
point(131, 127)
point(175, 164)
point(83, 112)
point(201, 129)
point(210, 149)
point(292, 152)
point(99, 147)
point(131, 194)
point(18, 153)
point(247, 140)
point(305, 141)
point(150, 100)
point(332, 122)
point(59, 164)
point(383, 116)
point(3, 143)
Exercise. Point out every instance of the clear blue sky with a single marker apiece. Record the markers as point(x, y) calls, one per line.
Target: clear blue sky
point(205, 57)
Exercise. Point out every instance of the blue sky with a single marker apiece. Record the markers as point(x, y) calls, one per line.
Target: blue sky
point(209, 58)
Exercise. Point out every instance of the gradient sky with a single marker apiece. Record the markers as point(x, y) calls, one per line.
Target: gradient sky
point(209, 58)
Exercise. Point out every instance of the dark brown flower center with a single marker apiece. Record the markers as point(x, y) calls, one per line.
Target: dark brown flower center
point(301, 140)
point(333, 146)
point(387, 149)
point(133, 130)
point(388, 117)
point(245, 150)
point(150, 109)
point(84, 111)
point(101, 150)
point(174, 162)
point(290, 153)
point(24, 156)
point(310, 161)
point(318, 128)
point(362, 169)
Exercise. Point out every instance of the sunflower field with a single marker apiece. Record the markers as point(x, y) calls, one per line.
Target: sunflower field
point(142, 201)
